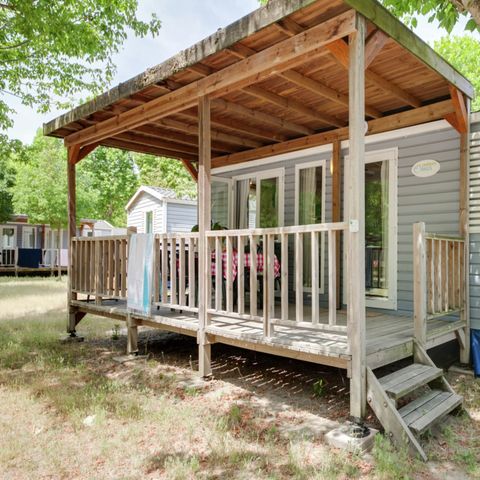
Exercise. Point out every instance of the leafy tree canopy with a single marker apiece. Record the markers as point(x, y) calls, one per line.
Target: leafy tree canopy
point(106, 179)
point(51, 50)
point(166, 173)
point(463, 52)
point(446, 12)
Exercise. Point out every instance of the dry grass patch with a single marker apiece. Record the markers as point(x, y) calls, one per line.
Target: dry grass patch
point(69, 411)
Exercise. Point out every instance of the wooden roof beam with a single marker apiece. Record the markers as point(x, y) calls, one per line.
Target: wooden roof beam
point(216, 134)
point(324, 91)
point(227, 123)
point(140, 148)
point(181, 138)
point(373, 46)
point(191, 169)
point(293, 105)
point(258, 116)
point(234, 77)
point(408, 118)
point(339, 50)
point(459, 120)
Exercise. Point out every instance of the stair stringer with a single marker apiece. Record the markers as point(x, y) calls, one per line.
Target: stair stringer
point(386, 412)
point(420, 355)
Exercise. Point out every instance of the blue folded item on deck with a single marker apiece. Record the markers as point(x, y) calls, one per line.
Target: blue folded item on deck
point(475, 334)
point(29, 257)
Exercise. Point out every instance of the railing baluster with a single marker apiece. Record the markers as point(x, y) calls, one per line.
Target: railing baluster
point(164, 269)
point(332, 278)
point(315, 277)
point(229, 272)
point(270, 278)
point(253, 275)
point(173, 270)
point(124, 269)
point(298, 277)
point(218, 274)
point(181, 273)
point(284, 276)
point(191, 272)
point(241, 274)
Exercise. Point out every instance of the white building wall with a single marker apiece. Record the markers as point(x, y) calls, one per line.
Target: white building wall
point(136, 214)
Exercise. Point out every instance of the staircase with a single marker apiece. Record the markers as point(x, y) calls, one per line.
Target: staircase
point(433, 399)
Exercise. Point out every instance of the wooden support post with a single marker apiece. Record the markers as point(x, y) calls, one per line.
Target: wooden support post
point(355, 181)
point(132, 336)
point(464, 232)
point(336, 172)
point(419, 284)
point(73, 154)
point(204, 224)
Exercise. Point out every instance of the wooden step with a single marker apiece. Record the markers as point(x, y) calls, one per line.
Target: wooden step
point(408, 379)
point(424, 411)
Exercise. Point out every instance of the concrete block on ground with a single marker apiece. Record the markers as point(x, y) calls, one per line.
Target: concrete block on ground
point(340, 438)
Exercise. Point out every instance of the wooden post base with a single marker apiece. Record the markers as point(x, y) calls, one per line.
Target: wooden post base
point(132, 336)
point(73, 319)
point(204, 357)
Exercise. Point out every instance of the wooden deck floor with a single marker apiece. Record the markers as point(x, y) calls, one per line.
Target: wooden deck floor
point(389, 337)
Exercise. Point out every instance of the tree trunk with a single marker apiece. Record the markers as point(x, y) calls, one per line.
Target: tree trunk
point(470, 6)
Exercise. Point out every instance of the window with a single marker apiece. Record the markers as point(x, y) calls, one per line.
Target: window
point(310, 210)
point(149, 222)
point(8, 238)
point(222, 202)
point(28, 237)
point(259, 200)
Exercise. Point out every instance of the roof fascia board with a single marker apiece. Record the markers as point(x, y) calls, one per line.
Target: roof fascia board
point(395, 29)
point(223, 38)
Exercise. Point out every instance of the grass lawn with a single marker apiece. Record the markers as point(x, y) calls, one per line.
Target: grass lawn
point(70, 411)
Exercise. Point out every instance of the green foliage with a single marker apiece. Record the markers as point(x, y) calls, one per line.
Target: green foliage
point(110, 180)
point(166, 173)
point(463, 52)
point(7, 178)
point(105, 181)
point(319, 388)
point(54, 49)
point(445, 12)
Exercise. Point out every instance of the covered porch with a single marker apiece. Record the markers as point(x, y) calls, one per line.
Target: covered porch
point(289, 77)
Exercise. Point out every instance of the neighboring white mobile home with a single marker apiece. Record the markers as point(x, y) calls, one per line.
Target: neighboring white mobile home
point(159, 210)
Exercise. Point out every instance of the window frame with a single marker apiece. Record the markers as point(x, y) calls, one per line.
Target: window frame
point(301, 166)
point(152, 212)
point(29, 229)
point(258, 176)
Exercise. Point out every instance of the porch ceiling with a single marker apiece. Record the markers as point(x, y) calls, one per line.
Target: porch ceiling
point(299, 102)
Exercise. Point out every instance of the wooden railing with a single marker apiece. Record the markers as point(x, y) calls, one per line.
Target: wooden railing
point(99, 266)
point(251, 268)
point(8, 257)
point(439, 277)
point(176, 271)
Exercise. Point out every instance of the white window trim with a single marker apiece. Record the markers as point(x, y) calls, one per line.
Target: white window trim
point(272, 173)
point(145, 220)
point(2, 227)
point(34, 231)
point(230, 183)
point(300, 166)
point(390, 303)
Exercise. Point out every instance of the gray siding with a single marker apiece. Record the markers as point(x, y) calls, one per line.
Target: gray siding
point(474, 268)
point(181, 217)
point(136, 213)
point(433, 200)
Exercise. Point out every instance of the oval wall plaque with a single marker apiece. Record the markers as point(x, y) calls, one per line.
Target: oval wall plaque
point(426, 168)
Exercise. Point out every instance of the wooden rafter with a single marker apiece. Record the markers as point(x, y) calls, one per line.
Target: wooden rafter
point(216, 134)
point(339, 50)
point(408, 118)
point(324, 91)
point(373, 46)
point(238, 75)
point(459, 119)
point(190, 167)
point(293, 105)
point(260, 117)
point(238, 126)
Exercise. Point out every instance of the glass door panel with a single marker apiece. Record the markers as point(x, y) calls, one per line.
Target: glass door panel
point(377, 229)
point(269, 211)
